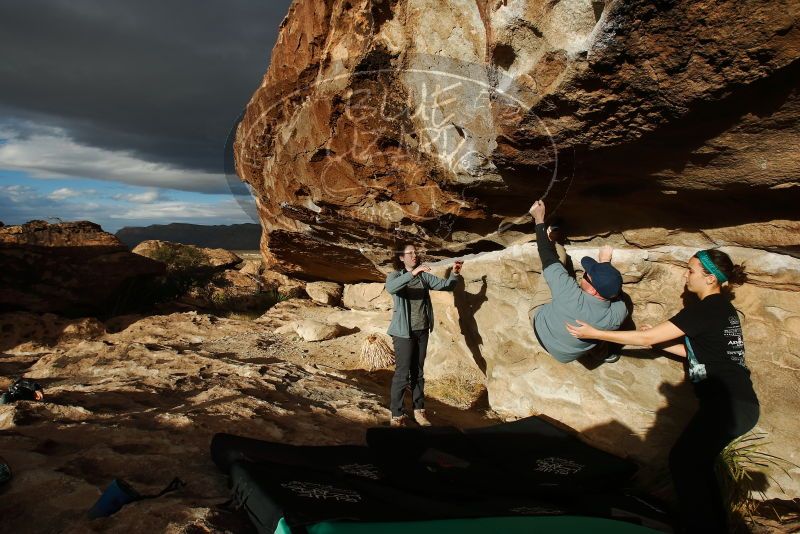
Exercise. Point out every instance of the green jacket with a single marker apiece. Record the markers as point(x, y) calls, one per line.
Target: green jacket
point(401, 314)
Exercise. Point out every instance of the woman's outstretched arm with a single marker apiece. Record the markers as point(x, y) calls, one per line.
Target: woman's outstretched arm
point(665, 331)
point(671, 346)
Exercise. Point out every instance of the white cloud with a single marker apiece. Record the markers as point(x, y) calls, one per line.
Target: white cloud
point(21, 203)
point(50, 153)
point(19, 193)
point(64, 193)
point(174, 210)
point(146, 197)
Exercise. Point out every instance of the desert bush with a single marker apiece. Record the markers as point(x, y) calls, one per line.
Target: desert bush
point(459, 390)
point(186, 268)
point(741, 468)
point(178, 259)
point(230, 306)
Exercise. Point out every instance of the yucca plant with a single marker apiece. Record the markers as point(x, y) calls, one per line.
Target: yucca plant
point(376, 353)
point(737, 464)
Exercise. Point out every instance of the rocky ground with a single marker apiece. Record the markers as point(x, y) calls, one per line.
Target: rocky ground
point(139, 398)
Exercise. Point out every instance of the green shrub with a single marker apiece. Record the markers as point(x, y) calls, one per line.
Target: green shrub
point(228, 306)
point(187, 268)
point(179, 259)
point(739, 467)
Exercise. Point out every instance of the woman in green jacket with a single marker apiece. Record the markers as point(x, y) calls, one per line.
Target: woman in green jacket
point(412, 321)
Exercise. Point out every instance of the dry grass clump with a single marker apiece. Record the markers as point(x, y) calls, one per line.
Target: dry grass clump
point(376, 353)
point(458, 390)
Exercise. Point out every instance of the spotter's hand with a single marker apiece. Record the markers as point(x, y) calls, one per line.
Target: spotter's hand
point(582, 330)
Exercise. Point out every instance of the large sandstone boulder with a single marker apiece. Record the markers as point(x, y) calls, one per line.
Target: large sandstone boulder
point(69, 268)
point(367, 297)
point(252, 267)
point(662, 127)
point(329, 293)
point(217, 259)
point(65, 234)
point(311, 330)
point(286, 286)
point(439, 123)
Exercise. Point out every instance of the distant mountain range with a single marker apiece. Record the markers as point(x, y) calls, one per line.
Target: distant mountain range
point(232, 237)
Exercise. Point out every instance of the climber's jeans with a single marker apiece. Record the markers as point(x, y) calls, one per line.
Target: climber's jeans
point(409, 355)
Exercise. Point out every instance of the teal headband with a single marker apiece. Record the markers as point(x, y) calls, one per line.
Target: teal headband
point(709, 265)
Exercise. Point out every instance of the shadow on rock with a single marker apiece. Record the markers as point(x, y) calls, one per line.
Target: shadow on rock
point(441, 414)
point(653, 443)
point(468, 305)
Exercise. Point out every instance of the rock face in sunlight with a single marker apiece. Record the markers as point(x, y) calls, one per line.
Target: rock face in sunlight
point(67, 268)
point(438, 122)
point(658, 127)
point(638, 405)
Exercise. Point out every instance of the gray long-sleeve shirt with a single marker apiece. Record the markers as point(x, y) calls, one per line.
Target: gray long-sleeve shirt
point(569, 303)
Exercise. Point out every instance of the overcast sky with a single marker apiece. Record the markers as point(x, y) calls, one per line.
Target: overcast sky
point(118, 111)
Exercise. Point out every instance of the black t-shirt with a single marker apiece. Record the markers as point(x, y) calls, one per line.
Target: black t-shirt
point(715, 332)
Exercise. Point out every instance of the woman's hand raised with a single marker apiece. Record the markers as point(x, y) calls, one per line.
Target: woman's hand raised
point(419, 269)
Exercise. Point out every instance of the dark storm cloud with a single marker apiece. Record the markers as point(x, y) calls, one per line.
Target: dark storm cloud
point(164, 80)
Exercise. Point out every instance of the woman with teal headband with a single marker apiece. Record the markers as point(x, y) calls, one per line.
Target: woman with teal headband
point(708, 333)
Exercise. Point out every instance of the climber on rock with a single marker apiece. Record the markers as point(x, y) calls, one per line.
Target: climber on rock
point(596, 295)
point(412, 320)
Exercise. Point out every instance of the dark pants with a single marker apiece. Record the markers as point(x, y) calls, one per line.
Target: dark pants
point(718, 421)
point(409, 355)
